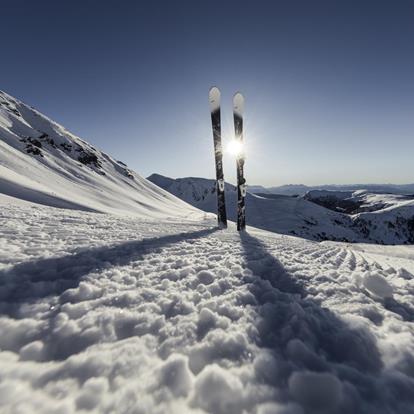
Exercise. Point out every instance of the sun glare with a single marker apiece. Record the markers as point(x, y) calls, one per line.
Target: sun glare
point(235, 147)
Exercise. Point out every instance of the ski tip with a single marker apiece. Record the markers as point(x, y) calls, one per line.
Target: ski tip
point(238, 103)
point(214, 98)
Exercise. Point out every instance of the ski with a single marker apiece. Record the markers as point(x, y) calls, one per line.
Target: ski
point(238, 107)
point(214, 98)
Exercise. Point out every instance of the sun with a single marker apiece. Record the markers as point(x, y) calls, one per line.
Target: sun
point(235, 147)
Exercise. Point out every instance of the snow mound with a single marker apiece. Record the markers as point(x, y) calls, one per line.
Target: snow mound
point(377, 284)
point(218, 391)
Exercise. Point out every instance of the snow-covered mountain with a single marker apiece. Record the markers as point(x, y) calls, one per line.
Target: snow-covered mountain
point(392, 222)
point(301, 189)
point(42, 162)
point(353, 202)
point(387, 218)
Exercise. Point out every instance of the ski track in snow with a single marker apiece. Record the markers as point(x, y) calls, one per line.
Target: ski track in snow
point(110, 314)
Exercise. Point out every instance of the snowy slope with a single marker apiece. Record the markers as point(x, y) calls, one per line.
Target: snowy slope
point(283, 214)
point(187, 319)
point(393, 224)
point(42, 162)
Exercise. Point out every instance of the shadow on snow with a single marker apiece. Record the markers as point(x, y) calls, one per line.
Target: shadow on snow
point(33, 280)
point(300, 335)
point(22, 286)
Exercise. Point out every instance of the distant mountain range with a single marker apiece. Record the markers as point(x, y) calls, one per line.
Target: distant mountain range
point(353, 216)
point(301, 189)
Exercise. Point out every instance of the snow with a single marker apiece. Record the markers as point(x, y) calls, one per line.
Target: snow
point(316, 390)
point(176, 375)
point(108, 313)
point(362, 200)
point(116, 296)
point(381, 218)
point(342, 195)
point(377, 285)
point(403, 256)
point(301, 189)
point(283, 215)
point(218, 391)
point(42, 162)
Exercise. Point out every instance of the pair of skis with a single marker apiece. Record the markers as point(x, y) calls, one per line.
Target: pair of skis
point(238, 106)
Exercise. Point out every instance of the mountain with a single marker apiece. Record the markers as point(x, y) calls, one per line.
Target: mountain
point(289, 189)
point(392, 222)
point(42, 162)
point(301, 189)
point(153, 309)
point(353, 202)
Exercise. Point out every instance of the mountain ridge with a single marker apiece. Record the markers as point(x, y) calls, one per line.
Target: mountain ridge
point(42, 162)
point(302, 189)
point(300, 216)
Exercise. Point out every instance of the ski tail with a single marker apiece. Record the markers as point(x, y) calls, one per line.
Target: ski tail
point(238, 110)
point(214, 98)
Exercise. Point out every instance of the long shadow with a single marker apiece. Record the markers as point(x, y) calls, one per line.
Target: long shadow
point(30, 281)
point(25, 284)
point(300, 335)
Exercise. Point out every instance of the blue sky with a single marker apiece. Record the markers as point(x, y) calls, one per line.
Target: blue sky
point(328, 84)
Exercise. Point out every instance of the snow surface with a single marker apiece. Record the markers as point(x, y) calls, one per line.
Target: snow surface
point(104, 313)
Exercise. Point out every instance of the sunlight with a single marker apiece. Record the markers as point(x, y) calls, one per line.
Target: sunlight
point(235, 147)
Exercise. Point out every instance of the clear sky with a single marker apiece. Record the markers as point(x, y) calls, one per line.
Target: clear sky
point(329, 85)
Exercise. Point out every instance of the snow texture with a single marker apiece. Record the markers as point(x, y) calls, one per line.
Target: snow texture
point(103, 313)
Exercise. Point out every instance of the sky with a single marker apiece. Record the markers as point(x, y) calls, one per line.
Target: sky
point(328, 84)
